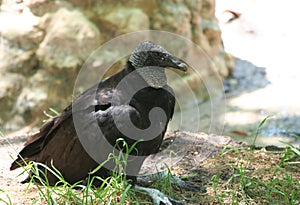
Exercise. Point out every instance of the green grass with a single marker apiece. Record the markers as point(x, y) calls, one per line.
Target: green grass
point(5, 198)
point(114, 189)
point(274, 184)
point(243, 186)
point(244, 176)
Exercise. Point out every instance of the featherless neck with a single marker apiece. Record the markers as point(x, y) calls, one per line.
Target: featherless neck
point(154, 76)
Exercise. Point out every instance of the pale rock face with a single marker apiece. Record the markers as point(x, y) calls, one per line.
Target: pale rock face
point(10, 85)
point(19, 39)
point(69, 39)
point(173, 17)
point(123, 20)
point(43, 44)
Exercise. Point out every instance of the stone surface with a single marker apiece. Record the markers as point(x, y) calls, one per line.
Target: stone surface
point(208, 9)
point(70, 46)
point(10, 87)
point(41, 7)
point(121, 20)
point(173, 17)
point(19, 38)
point(200, 147)
point(44, 43)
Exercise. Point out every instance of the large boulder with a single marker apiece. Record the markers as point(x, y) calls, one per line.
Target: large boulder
point(20, 37)
point(121, 20)
point(173, 17)
point(69, 39)
point(10, 86)
point(44, 43)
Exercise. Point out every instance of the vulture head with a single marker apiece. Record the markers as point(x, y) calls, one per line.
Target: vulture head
point(150, 59)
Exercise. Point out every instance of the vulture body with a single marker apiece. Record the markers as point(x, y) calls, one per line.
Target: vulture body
point(107, 103)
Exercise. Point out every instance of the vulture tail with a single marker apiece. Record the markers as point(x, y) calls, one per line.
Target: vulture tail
point(33, 146)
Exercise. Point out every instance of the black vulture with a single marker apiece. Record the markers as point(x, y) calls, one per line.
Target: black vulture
point(109, 102)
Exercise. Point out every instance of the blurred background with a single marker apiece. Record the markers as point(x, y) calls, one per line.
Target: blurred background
point(263, 37)
point(251, 46)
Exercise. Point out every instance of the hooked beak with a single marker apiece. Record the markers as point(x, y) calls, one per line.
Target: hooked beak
point(178, 64)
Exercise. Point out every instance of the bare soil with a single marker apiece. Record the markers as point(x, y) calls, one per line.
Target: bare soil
point(202, 159)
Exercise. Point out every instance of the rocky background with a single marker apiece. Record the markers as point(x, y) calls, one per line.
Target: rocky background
point(43, 44)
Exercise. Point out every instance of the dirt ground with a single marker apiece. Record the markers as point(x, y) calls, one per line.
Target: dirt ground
point(201, 158)
point(198, 148)
point(9, 180)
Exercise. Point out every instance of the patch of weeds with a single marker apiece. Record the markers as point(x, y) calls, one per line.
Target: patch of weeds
point(291, 155)
point(258, 176)
point(260, 125)
point(113, 190)
point(164, 182)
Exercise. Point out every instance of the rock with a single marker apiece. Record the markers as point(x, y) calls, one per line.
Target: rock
point(191, 149)
point(19, 38)
point(172, 17)
point(10, 86)
point(21, 29)
point(195, 7)
point(15, 123)
point(42, 91)
point(46, 42)
point(230, 62)
point(10, 83)
point(212, 32)
point(244, 78)
point(220, 66)
point(15, 59)
point(208, 9)
point(70, 38)
point(30, 100)
point(123, 20)
point(41, 7)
